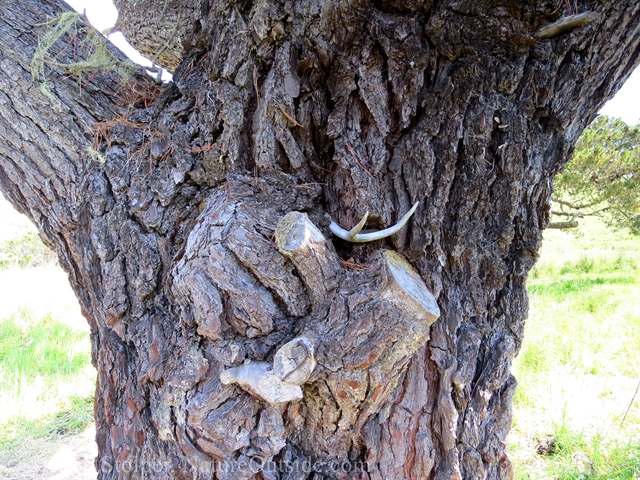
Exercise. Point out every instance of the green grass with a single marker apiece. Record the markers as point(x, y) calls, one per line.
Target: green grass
point(573, 455)
point(46, 378)
point(579, 364)
point(74, 414)
point(25, 252)
point(44, 348)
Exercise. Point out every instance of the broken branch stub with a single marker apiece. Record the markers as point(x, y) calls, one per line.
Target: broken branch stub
point(293, 364)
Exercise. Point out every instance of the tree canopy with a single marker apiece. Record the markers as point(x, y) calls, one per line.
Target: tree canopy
point(603, 176)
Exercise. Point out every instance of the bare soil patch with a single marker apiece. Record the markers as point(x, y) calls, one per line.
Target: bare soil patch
point(64, 458)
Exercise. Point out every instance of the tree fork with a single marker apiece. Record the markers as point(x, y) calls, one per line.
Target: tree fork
point(175, 249)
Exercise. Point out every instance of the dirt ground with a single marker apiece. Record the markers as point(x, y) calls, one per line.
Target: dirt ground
point(66, 458)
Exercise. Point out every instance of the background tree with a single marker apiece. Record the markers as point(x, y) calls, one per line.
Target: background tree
point(603, 176)
point(200, 248)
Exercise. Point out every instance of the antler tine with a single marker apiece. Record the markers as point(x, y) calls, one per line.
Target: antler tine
point(355, 236)
point(356, 230)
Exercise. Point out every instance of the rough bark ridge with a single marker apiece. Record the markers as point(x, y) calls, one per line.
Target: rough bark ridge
point(157, 28)
point(200, 251)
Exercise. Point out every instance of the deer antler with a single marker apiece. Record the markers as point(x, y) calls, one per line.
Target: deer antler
point(355, 236)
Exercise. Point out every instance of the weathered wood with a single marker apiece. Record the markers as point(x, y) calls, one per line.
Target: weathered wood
point(563, 225)
point(565, 23)
point(279, 383)
point(177, 248)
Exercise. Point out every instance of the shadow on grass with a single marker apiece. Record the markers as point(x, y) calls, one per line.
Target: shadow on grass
point(71, 420)
point(574, 456)
point(559, 289)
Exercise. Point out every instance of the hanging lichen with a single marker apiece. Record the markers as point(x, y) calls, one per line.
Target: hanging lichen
point(97, 57)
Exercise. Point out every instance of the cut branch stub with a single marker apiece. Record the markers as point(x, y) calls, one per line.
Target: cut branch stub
point(388, 320)
point(294, 361)
point(314, 257)
point(407, 291)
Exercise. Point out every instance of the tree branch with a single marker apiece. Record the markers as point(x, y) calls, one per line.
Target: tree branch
point(563, 225)
point(576, 206)
point(567, 214)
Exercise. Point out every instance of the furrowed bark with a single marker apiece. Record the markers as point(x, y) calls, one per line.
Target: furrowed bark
point(201, 251)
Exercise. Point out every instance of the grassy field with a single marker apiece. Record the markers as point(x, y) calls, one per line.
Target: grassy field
point(576, 411)
point(46, 377)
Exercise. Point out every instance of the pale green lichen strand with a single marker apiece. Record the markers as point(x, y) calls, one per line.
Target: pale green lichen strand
point(99, 58)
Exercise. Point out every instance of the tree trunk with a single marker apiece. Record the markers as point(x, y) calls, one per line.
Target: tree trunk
point(232, 332)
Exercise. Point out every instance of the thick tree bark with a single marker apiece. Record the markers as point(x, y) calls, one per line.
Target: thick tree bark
point(227, 332)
